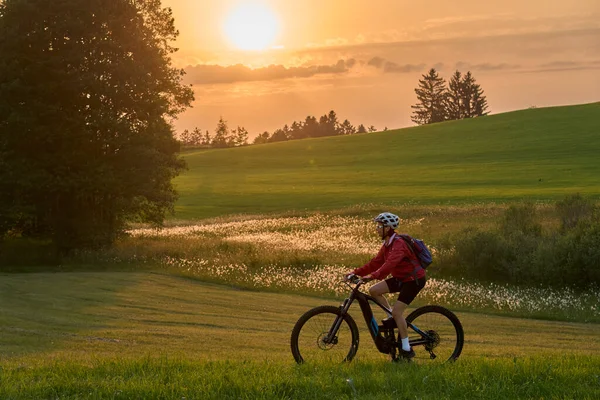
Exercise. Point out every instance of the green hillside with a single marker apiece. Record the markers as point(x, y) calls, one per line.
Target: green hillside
point(542, 154)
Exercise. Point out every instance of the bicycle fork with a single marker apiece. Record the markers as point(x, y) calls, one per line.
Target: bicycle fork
point(331, 337)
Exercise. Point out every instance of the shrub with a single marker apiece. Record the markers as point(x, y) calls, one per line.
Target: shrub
point(517, 252)
point(521, 219)
point(573, 210)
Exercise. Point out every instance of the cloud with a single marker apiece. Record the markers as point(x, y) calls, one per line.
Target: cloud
point(566, 66)
point(392, 67)
point(212, 74)
point(486, 66)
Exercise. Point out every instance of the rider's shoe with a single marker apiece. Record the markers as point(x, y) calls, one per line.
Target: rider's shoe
point(405, 355)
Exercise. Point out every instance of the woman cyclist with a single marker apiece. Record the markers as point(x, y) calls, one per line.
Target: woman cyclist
point(395, 258)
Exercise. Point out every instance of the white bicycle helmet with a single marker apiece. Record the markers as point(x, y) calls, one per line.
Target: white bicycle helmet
point(388, 219)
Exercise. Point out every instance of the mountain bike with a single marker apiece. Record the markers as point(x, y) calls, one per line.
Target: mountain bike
point(329, 333)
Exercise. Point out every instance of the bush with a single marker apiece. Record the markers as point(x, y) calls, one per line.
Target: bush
point(521, 219)
point(573, 210)
point(517, 252)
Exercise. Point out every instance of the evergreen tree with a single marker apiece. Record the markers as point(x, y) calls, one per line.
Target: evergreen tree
point(454, 106)
point(473, 99)
point(347, 128)
point(333, 125)
point(479, 102)
point(323, 127)
point(241, 138)
point(184, 137)
point(222, 134)
point(206, 138)
point(297, 131)
point(468, 91)
point(279, 136)
point(262, 138)
point(372, 128)
point(431, 95)
point(87, 93)
point(311, 127)
point(196, 137)
point(361, 129)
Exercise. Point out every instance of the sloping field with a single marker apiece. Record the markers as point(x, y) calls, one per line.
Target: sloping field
point(146, 335)
point(541, 154)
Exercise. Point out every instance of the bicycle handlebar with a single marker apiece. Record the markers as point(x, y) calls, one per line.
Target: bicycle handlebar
point(355, 279)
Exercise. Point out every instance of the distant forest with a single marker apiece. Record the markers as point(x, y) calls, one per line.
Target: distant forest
point(224, 136)
point(461, 98)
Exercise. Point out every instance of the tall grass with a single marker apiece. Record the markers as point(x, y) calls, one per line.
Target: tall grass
point(310, 254)
point(164, 378)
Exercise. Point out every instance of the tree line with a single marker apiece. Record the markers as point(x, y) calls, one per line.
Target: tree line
point(461, 98)
point(311, 127)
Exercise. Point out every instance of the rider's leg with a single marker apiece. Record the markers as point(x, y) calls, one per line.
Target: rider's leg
point(378, 290)
point(398, 314)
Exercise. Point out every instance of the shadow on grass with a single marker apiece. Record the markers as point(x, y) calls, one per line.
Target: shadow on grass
point(41, 312)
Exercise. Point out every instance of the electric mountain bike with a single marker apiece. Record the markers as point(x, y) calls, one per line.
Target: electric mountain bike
point(329, 333)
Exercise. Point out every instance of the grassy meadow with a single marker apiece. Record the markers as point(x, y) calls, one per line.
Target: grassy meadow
point(75, 335)
point(204, 308)
point(540, 154)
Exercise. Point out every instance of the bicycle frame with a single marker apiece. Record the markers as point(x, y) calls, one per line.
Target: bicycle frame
point(375, 329)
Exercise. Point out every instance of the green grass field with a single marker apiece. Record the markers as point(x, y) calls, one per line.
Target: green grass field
point(539, 154)
point(149, 335)
point(159, 330)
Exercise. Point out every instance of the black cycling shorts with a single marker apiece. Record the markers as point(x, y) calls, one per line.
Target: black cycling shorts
point(407, 290)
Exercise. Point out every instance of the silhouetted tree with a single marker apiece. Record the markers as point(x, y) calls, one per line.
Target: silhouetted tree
point(332, 124)
point(222, 134)
point(468, 92)
point(479, 106)
point(196, 138)
point(206, 138)
point(241, 136)
point(454, 101)
point(262, 138)
point(279, 136)
point(87, 93)
point(347, 128)
point(361, 129)
point(311, 127)
point(297, 131)
point(431, 95)
point(372, 128)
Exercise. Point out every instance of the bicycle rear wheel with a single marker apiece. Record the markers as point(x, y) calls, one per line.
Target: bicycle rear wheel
point(439, 335)
point(310, 339)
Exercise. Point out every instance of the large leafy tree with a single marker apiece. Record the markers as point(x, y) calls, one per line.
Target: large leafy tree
point(431, 96)
point(88, 93)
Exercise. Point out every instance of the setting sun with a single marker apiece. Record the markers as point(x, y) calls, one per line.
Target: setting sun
point(251, 27)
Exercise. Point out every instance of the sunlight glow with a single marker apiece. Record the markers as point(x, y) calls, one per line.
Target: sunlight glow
point(252, 27)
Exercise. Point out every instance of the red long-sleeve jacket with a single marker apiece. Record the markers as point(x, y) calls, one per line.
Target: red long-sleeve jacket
point(395, 257)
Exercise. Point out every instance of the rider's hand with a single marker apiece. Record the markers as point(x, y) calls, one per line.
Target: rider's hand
point(367, 278)
point(350, 276)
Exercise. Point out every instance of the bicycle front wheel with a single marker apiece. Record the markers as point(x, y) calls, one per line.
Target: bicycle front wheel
point(314, 339)
point(438, 334)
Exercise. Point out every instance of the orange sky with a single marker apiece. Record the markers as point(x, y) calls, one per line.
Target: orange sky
point(363, 59)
